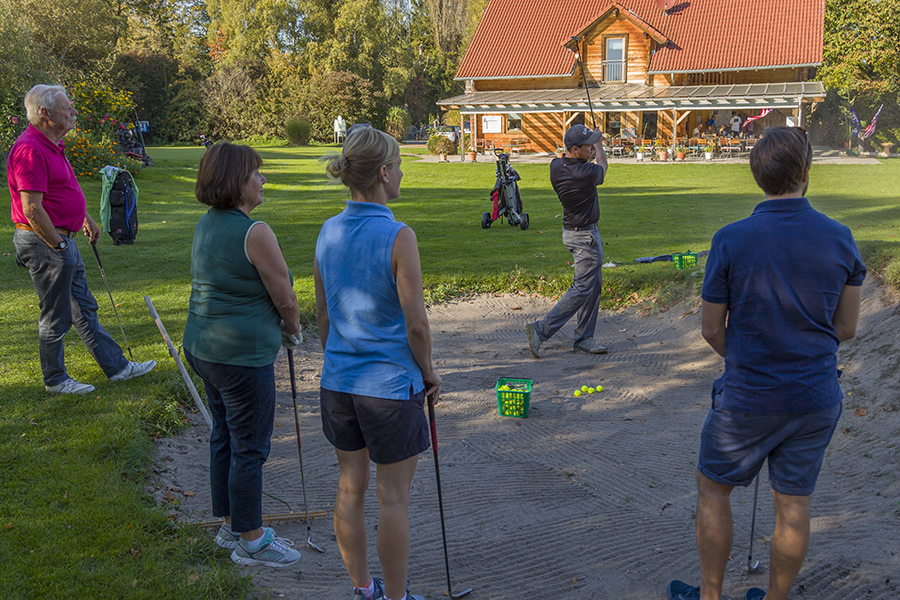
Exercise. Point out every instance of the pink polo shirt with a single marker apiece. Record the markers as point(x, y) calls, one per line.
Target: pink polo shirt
point(36, 164)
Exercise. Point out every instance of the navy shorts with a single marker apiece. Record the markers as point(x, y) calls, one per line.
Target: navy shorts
point(392, 430)
point(734, 445)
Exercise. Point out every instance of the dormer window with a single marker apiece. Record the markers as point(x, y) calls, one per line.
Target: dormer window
point(614, 59)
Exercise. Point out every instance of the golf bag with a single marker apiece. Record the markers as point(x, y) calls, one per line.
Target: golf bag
point(505, 197)
point(118, 204)
point(132, 145)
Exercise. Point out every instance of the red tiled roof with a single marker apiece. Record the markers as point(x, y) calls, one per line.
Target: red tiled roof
point(523, 38)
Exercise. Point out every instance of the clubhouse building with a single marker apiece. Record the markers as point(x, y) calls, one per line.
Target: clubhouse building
point(654, 69)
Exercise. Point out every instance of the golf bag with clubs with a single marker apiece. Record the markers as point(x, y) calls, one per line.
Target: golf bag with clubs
point(505, 196)
point(118, 204)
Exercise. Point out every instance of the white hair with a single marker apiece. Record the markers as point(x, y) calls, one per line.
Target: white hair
point(41, 96)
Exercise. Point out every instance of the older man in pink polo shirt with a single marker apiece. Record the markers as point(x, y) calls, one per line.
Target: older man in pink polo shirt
point(48, 209)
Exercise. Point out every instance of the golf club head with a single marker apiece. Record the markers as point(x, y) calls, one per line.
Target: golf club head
point(752, 567)
point(461, 594)
point(309, 543)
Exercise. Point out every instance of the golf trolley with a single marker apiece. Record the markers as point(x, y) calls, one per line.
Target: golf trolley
point(505, 196)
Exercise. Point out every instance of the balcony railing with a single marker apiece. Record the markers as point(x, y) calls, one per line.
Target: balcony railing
point(614, 70)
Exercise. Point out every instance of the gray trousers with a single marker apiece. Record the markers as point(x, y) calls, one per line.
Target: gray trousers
point(65, 300)
point(583, 298)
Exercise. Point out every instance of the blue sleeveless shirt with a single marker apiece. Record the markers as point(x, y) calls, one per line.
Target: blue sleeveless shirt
point(367, 352)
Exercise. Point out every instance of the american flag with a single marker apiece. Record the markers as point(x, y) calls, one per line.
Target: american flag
point(871, 128)
point(760, 116)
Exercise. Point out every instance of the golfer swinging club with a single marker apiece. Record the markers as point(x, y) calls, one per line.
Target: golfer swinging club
point(575, 178)
point(781, 292)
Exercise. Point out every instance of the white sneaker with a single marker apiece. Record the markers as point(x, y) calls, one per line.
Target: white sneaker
point(226, 538)
point(70, 386)
point(273, 552)
point(134, 369)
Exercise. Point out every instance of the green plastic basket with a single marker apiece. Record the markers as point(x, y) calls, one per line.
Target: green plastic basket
point(514, 401)
point(684, 260)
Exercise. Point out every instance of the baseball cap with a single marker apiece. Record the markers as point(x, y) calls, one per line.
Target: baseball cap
point(579, 135)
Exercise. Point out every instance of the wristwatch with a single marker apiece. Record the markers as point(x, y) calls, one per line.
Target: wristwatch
point(62, 245)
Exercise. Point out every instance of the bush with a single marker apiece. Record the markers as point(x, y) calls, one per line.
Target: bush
point(297, 131)
point(88, 155)
point(339, 93)
point(439, 144)
point(397, 122)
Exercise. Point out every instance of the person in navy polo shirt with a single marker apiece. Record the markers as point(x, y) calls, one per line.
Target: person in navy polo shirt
point(781, 292)
point(49, 209)
point(575, 178)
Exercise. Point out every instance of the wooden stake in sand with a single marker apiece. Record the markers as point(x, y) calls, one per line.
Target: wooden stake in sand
point(280, 519)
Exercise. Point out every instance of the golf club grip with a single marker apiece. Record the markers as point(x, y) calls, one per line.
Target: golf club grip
point(433, 426)
point(97, 254)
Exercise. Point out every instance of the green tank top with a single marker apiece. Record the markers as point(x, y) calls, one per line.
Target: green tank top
point(231, 318)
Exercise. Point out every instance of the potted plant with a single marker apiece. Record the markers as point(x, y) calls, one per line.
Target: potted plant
point(442, 147)
point(560, 151)
point(471, 154)
point(639, 152)
point(661, 150)
point(708, 150)
point(680, 152)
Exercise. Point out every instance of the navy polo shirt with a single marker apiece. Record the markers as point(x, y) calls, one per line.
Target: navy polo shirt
point(781, 272)
point(575, 182)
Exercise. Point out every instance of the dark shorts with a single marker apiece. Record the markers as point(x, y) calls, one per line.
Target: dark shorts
point(734, 445)
point(392, 430)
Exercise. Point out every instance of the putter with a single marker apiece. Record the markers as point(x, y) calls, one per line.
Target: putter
point(753, 567)
point(437, 473)
point(99, 264)
point(309, 541)
point(584, 80)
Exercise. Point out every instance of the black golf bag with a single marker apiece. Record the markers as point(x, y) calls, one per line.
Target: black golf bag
point(132, 145)
point(505, 197)
point(118, 205)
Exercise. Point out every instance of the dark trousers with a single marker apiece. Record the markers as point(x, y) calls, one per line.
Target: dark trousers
point(242, 405)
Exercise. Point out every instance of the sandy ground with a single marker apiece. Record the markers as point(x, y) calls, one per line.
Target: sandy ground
point(590, 497)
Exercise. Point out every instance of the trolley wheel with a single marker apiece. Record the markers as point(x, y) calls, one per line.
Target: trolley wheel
point(486, 220)
point(524, 223)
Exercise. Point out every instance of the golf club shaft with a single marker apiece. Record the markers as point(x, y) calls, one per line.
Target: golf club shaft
point(437, 474)
point(109, 291)
point(753, 525)
point(587, 91)
point(184, 374)
point(290, 354)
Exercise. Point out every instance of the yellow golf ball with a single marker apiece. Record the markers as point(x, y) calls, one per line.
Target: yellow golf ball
point(590, 390)
point(577, 392)
point(584, 388)
point(599, 388)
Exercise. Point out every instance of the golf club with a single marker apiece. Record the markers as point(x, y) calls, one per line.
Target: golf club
point(753, 567)
point(174, 354)
point(437, 473)
point(584, 80)
point(102, 274)
point(309, 541)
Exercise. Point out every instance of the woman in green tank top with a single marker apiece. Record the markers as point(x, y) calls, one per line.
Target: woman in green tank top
point(242, 309)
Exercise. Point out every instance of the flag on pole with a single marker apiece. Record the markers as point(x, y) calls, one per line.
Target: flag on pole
point(760, 116)
point(854, 122)
point(871, 128)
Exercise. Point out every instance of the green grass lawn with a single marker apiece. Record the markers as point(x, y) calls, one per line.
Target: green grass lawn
point(75, 521)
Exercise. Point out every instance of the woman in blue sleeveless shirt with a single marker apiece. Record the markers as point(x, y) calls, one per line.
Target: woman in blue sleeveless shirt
point(377, 369)
point(242, 309)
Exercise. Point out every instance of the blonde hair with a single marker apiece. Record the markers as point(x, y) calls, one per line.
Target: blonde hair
point(41, 96)
point(365, 151)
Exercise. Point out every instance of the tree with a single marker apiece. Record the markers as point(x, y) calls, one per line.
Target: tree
point(331, 94)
